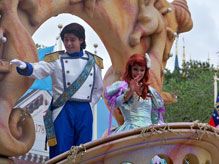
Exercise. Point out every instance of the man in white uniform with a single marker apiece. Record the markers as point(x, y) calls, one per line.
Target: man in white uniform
point(76, 85)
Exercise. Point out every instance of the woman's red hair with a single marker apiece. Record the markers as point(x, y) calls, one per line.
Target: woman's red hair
point(127, 76)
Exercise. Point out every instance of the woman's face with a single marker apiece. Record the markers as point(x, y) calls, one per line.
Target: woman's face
point(137, 70)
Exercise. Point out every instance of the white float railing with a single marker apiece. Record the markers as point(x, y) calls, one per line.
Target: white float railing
point(215, 86)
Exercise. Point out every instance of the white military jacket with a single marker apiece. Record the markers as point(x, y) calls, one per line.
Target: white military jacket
point(64, 71)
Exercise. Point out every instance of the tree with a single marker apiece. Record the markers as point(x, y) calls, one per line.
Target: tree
point(194, 87)
point(39, 46)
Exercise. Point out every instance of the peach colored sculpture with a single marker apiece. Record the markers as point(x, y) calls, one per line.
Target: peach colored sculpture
point(197, 143)
point(124, 26)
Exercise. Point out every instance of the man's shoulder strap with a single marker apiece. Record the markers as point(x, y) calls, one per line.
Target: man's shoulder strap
point(52, 56)
point(98, 60)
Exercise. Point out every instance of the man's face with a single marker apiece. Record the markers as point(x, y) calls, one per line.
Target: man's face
point(72, 43)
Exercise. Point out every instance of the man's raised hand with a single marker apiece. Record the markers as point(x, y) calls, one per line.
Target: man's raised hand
point(20, 64)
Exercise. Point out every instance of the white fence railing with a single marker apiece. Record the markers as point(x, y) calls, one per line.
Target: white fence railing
point(215, 87)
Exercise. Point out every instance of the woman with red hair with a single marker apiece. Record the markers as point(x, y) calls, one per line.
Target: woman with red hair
point(140, 104)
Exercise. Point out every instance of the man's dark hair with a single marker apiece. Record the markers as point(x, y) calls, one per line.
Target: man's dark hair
point(77, 30)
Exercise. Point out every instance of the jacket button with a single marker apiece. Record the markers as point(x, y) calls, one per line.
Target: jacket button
point(66, 61)
point(68, 83)
point(90, 85)
point(91, 74)
point(67, 71)
point(88, 97)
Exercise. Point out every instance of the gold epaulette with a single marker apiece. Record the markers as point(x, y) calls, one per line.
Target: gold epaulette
point(52, 56)
point(99, 61)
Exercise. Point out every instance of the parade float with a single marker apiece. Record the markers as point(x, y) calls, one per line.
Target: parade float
point(125, 27)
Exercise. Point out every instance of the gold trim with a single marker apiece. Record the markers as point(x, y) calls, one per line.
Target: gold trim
point(52, 56)
point(99, 61)
point(52, 142)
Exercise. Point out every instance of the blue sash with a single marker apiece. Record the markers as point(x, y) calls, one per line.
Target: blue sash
point(63, 98)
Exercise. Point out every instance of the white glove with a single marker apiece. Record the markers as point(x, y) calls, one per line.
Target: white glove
point(156, 159)
point(20, 64)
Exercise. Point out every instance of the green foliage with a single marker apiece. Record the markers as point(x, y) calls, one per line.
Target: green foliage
point(39, 46)
point(194, 87)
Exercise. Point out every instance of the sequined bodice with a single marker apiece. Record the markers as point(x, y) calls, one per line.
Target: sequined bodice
point(140, 114)
point(137, 112)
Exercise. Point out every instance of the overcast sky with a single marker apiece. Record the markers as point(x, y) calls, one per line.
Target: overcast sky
point(202, 41)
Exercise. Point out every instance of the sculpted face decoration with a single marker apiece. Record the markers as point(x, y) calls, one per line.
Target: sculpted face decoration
point(141, 26)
